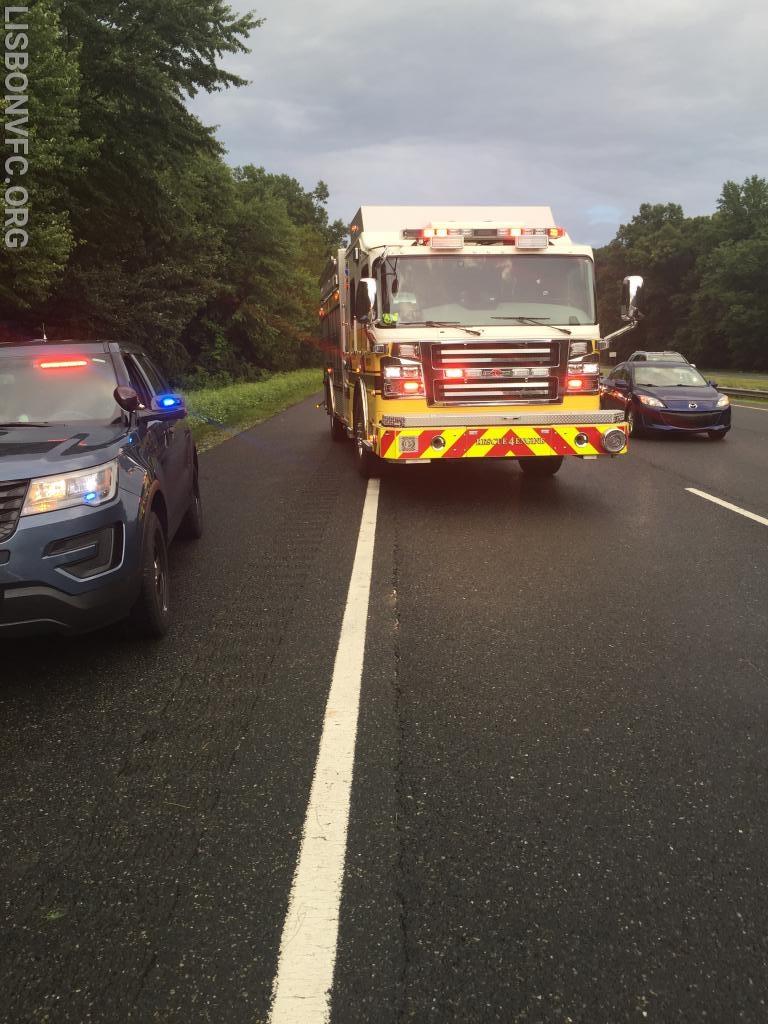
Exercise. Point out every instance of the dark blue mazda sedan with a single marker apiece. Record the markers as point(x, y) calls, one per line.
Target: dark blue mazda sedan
point(664, 397)
point(98, 473)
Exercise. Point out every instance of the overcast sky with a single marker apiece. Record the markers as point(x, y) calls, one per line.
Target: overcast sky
point(588, 106)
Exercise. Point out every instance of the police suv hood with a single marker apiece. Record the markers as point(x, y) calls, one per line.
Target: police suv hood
point(704, 396)
point(27, 451)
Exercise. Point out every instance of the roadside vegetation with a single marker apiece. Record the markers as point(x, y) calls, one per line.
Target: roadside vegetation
point(139, 229)
point(732, 379)
point(217, 413)
point(706, 279)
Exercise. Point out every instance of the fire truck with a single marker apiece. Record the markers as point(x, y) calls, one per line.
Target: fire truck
point(465, 333)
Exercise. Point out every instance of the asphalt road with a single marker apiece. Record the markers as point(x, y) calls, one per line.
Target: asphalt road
point(560, 802)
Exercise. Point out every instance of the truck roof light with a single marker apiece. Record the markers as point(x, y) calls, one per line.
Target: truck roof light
point(555, 232)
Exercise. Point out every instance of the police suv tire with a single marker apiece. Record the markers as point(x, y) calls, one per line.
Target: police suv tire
point(191, 527)
point(150, 615)
point(540, 465)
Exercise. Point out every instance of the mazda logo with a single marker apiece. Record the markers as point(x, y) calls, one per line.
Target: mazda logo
point(693, 405)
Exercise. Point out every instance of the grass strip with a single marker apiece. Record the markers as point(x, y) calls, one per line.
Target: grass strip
point(738, 379)
point(219, 413)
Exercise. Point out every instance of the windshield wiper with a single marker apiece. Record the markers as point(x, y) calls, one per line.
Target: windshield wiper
point(443, 323)
point(536, 321)
point(17, 424)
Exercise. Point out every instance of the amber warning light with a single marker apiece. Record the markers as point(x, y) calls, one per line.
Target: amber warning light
point(445, 237)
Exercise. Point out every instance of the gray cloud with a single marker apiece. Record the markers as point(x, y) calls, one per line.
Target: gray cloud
point(591, 107)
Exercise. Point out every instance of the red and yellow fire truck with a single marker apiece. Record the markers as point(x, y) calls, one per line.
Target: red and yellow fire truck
point(466, 332)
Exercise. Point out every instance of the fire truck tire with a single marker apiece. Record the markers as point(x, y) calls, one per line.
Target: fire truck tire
point(338, 430)
point(540, 465)
point(368, 464)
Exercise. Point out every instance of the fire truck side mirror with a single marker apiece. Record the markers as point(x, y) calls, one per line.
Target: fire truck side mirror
point(631, 298)
point(365, 299)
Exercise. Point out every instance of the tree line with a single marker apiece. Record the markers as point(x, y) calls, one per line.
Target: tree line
point(138, 228)
point(706, 279)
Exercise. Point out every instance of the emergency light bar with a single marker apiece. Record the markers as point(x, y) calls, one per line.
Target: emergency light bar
point(61, 364)
point(455, 238)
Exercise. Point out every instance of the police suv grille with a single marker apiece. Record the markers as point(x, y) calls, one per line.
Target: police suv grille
point(495, 373)
point(12, 494)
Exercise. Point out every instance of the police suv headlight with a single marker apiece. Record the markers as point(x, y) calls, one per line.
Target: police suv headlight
point(85, 487)
point(723, 401)
point(654, 403)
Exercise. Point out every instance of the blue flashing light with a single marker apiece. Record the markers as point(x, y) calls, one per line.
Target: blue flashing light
point(90, 497)
point(169, 401)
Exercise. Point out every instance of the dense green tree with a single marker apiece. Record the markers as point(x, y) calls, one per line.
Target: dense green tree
point(57, 154)
point(265, 314)
point(706, 278)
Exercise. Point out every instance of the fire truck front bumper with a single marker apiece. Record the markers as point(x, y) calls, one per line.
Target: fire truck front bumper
point(584, 435)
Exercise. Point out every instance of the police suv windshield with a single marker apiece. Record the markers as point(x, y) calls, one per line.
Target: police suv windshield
point(57, 387)
point(488, 290)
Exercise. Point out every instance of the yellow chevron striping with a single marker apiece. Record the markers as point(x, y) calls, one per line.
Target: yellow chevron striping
point(534, 441)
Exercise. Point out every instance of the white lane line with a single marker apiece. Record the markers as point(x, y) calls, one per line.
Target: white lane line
point(727, 504)
point(301, 990)
point(759, 408)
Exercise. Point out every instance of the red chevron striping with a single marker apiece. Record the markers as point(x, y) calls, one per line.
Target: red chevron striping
point(387, 440)
point(556, 442)
point(501, 448)
point(462, 444)
point(595, 437)
point(423, 441)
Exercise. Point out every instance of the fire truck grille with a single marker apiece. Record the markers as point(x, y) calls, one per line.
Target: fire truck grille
point(495, 373)
point(12, 493)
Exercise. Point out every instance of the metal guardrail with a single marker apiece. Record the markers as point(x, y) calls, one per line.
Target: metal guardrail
point(743, 393)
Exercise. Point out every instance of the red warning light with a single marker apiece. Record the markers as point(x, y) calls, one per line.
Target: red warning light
point(61, 364)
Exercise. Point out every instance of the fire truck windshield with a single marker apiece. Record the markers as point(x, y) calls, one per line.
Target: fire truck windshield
point(488, 289)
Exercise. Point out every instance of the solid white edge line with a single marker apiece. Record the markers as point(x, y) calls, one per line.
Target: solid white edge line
point(727, 504)
point(302, 986)
point(757, 408)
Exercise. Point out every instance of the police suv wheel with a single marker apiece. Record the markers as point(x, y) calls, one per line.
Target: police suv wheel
point(192, 524)
point(150, 615)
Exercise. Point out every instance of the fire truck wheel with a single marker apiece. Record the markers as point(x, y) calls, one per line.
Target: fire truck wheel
point(367, 462)
point(338, 430)
point(540, 465)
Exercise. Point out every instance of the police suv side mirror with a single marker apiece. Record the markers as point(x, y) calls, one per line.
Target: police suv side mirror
point(127, 398)
point(365, 299)
point(631, 298)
